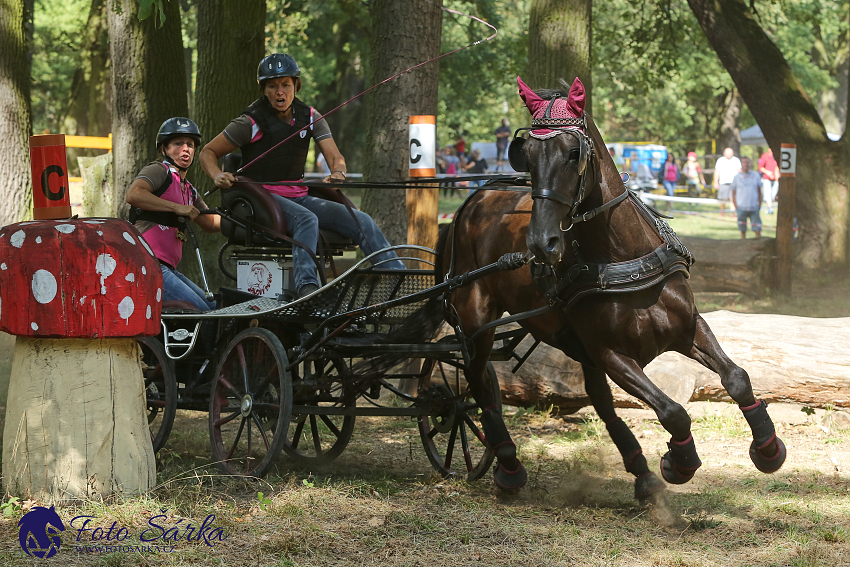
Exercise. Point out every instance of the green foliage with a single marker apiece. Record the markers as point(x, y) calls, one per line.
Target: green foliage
point(148, 7)
point(56, 56)
point(264, 502)
point(11, 507)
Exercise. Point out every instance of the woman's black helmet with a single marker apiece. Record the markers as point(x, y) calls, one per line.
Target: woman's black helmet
point(177, 126)
point(277, 65)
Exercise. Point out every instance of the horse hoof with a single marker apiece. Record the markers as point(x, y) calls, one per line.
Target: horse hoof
point(674, 474)
point(646, 486)
point(510, 481)
point(768, 464)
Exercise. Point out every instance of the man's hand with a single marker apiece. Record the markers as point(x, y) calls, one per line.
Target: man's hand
point(224, 180)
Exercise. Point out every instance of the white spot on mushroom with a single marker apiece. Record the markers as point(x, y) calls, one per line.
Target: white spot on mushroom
point(82, 300)
point(65, 228)
point(43, 286)
point(126, 308)
point(129, 238)
point(104, 266)
point(3, 266)
point(25, 223)
point(131, 277)
point(38, 240)
point(17, 239)
point(93, 222)
point(100, 233)
point(144, 271)
point(158, 294)
point(148, 312)
point(34, 326)
point(148, 248)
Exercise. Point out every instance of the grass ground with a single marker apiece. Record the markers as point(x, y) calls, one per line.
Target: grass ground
point(381, 504)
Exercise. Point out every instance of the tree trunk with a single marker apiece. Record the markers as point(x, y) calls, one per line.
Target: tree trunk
point(90, 108)
point(148, 86)
point(15, 111)
point(559, 42)
point(785, 114)
point(403, 34)
point(729, 134)
point(226, 83)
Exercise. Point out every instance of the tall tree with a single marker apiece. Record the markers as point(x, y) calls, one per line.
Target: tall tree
point(15, 111)
point(148, 85)
point(90, 109)
point(559, 44)
point(226, 83)
point(785, 114)
point(403, 34)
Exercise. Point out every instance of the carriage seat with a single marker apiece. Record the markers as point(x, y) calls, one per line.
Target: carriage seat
point(178, 306)
point(250, 200)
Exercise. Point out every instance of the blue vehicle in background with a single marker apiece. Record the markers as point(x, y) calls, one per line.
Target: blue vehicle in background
point(642, 162)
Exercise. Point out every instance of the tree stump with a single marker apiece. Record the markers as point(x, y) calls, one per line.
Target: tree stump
point(77, 293)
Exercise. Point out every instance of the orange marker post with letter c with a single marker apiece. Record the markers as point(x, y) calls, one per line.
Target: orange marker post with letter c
point(51, 197)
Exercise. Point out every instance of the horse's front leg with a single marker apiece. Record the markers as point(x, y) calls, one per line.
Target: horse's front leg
point(681, 461)
point(767, 451)
point(647, 485)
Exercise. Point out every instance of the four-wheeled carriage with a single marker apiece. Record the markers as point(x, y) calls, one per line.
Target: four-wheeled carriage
point(281, 374)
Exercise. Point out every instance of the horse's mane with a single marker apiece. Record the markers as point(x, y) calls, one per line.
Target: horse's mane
point(549, 94)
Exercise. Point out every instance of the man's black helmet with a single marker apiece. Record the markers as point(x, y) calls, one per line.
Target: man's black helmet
point(277, 65)
point(177, 126)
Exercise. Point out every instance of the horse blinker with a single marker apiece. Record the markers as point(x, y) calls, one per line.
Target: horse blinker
point(516, 155)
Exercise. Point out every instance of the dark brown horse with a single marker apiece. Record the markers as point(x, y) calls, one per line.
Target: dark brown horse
point(609, 329)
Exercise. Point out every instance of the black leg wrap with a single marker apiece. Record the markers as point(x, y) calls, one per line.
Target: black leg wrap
point(760, 423)
point(509, 474)
point(679, 464)
point(628, 446)
point(764, 439)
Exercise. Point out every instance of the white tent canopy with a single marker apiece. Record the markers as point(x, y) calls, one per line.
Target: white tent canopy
point(753, 136)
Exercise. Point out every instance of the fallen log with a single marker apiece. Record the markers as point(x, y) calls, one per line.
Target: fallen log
point(789, 359)
point(742, 266)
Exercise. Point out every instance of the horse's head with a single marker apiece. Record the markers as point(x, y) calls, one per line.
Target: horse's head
point(558, 154)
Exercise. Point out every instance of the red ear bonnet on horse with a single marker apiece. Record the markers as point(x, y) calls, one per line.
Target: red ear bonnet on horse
point(570, 107)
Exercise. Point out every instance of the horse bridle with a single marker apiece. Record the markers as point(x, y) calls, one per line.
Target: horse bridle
point(576, 127)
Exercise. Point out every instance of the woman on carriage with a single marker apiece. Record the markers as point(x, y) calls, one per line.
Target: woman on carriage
point(273, 117)
point(160, 197)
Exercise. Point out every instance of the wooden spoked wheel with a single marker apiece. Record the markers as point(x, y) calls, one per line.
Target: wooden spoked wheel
point(250, 404)
point(160, 390)
point(319, 438)
point(452, 434)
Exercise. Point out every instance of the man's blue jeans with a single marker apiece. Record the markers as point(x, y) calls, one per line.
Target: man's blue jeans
point(306, 215)
point(177, 287)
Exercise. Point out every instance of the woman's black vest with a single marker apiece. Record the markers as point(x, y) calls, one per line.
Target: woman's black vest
point(286, 162)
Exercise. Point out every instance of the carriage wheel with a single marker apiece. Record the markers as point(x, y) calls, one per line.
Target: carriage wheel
point(316, 438)
point(250, 404)
point(160, 390)
point(452, 434)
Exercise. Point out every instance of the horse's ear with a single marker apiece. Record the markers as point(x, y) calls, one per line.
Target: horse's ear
point(576, 98)
point(529, 97)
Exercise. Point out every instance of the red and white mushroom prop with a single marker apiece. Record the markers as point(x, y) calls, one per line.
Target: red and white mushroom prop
point(76, 292)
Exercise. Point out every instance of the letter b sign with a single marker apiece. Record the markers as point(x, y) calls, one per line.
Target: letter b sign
point(788, 160)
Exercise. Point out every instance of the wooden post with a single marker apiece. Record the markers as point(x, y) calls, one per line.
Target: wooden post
point(422, 202)
point(785, 217)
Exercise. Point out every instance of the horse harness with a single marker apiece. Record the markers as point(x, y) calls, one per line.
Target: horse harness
point(564, 285)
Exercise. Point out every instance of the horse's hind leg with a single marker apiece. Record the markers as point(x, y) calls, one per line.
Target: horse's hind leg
point(509, 473)
point(767, 451)
point(646, 483)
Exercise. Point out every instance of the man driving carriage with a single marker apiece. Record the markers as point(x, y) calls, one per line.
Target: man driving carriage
point(269, 120)
point(161, 195)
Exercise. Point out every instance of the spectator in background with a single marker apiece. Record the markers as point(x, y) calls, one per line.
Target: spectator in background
point(476, 165)
point(460, 148)
point(725, 170)
point(503, 134)
point(322, 164)
point(618, 160)
point(746, 198)
point(669, 175)
point(694, 178)
point(450, 164)
point(769, 170)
